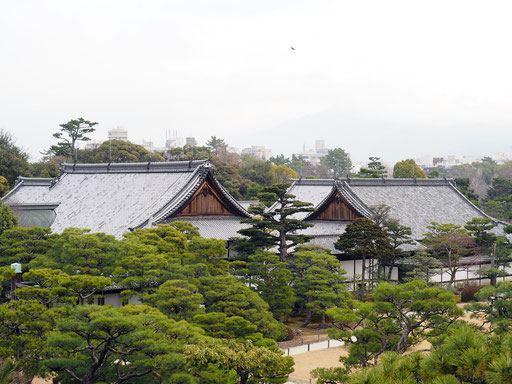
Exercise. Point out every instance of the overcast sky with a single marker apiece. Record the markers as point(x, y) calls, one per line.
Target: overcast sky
point(389, 78)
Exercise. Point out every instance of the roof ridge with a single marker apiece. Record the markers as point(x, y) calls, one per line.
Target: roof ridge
point(146, 167)
point(375, 181)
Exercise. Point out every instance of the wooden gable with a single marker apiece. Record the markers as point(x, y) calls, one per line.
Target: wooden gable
point(336, 208)
point(207, 201)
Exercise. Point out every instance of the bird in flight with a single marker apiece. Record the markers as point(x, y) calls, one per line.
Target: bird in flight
point(293, 49)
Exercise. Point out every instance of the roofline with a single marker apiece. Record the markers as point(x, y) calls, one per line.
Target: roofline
point(374, 182)
point(148, 167)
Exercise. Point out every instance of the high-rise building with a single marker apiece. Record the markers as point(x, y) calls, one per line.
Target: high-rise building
point(118, 133)
point(191, 141)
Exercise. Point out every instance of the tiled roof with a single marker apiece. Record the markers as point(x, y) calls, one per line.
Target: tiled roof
point(415, 202)
point(112, 198)
point(222, 228)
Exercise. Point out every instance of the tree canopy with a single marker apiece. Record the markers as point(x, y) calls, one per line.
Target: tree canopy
point(408, 169)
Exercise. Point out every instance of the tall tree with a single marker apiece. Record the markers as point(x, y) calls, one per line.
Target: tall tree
point(70, 133)
point(338, 161)
point(374, 170)
point(408, 169)
point(13, 161)
point(217, 145)
point(274, 227)
point(318, 281)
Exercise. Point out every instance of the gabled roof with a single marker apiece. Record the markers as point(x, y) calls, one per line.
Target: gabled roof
point(341, 188)
point(113, 198)
point(415, 202)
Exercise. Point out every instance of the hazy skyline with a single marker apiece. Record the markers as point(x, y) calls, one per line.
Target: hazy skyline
point(394, 79)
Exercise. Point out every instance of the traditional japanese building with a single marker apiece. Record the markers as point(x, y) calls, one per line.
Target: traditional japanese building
point(414, 202)
point(117, 198)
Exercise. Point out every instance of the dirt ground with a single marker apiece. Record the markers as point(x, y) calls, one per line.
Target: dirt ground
point(306, 362)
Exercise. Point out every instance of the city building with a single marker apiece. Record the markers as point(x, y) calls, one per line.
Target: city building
point(191, 141)
point(313, 156)
point(258, 152)
point(118, 133)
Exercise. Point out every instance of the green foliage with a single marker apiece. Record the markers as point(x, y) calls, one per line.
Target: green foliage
point(23, 328)
point(449, 243)
point(498, 202)
point(338, 161)
point(494, 307)
point(363, 239)
point(77, 251)
point(22, 245)
point(7, 218)
point(317, 281)
point(466, 356)
point(257, 171)
point(103, 344)
point(408, 169)
point(118, 151)
point(420, 266)
point(178, 299)
point(375, 170)
point(13, 161)
point(4, 186)
point(271, 279)
point(399, 316)
point(274, 227)
point(464, 187)
point(228, 295)
point(252, 364)
point(45, 169)
point(282, 173)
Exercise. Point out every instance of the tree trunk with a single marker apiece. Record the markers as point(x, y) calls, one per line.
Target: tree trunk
point(390, 272)
point(283, 247)
point(308, 314)
point(244, 376)
point(363, 269)
point(323, 325)
point(402, 343)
